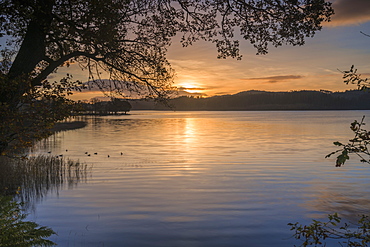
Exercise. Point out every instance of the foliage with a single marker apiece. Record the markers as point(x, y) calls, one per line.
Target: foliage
point(15, 232)
point(316, 234)
point(33, 115)
point(352, 77)
point(357, 145)
point(129, 39)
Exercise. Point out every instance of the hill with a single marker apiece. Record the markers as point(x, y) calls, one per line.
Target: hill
point(263, 100)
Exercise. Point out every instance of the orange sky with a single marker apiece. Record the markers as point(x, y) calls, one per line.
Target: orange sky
point(313, 66)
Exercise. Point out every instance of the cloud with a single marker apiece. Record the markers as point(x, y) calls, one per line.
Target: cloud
point(191, 88)
point(275, 79)
point(190, 91)
point(350, 12)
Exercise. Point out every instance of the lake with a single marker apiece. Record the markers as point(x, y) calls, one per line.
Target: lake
point(202, 178)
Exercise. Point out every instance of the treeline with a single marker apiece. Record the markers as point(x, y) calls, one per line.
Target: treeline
point(262, 100)
point(113, 107)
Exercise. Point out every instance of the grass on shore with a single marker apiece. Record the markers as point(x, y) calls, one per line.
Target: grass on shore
point(30, 179)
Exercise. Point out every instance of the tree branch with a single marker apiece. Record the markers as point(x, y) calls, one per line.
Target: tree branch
point(55, 64)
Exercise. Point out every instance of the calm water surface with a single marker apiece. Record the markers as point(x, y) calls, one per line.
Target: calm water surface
point(203, 178)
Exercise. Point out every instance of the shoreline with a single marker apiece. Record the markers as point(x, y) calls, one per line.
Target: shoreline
point(64, 126)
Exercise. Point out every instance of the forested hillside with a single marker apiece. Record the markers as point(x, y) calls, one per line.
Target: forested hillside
point(262, 100)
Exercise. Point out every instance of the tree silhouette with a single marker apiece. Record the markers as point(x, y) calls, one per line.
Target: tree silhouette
point(118, 105)
point(359, 143)
point(129, 38)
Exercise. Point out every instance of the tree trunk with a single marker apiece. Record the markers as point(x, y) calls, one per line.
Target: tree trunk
point(30, 54)
point(32, 51)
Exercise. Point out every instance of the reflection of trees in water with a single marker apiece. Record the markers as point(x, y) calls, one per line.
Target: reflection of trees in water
point(349, 201)
point(37, 176)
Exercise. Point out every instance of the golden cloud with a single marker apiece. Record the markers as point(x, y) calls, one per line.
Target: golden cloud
point(275, 79)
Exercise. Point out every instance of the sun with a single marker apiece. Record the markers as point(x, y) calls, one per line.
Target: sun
point(190, 87)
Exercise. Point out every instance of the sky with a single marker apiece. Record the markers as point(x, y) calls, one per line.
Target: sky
point(314, 66)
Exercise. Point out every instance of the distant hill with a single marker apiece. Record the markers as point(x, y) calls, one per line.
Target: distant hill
point(263, 100)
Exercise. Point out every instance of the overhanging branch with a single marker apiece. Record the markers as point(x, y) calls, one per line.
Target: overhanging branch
point(55, 64)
